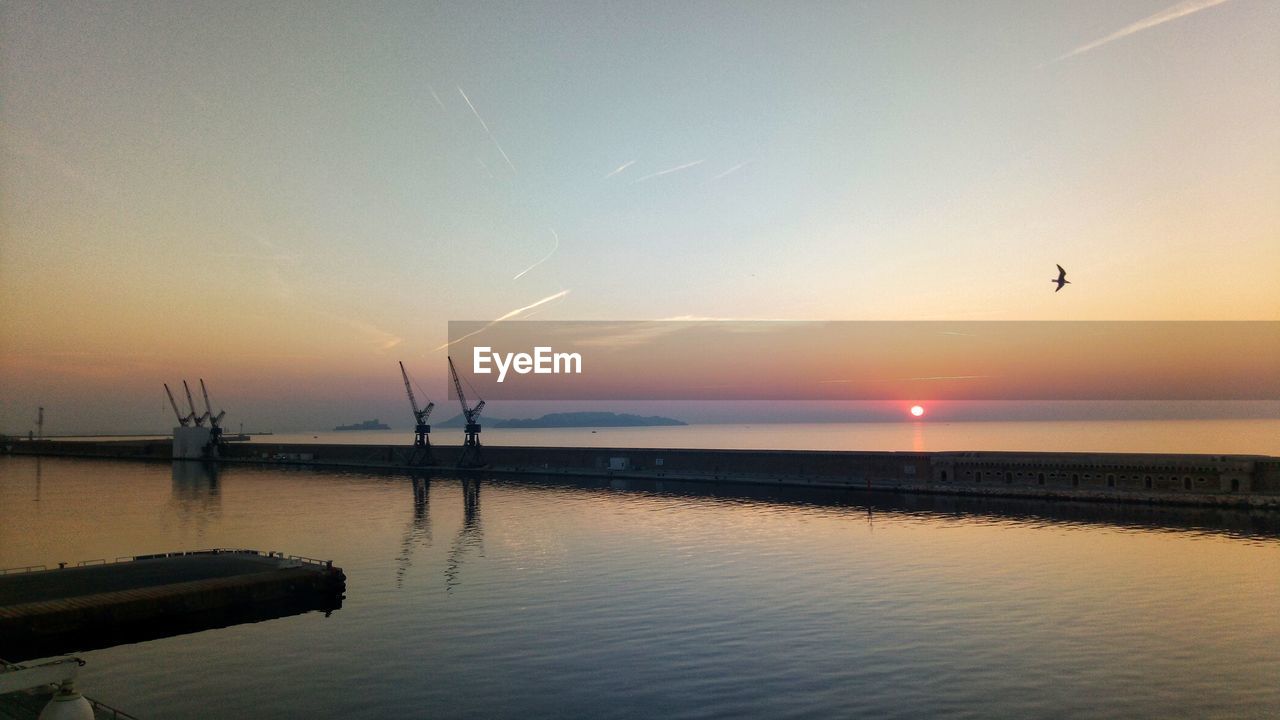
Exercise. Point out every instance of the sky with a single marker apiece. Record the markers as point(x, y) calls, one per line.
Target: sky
point(287, 198)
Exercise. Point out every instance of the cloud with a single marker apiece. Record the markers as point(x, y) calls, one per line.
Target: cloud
point(1180, 10)
point(642, 332)
point(629, 334)
point(722, 319)
point(381, 339)
point(910, 379)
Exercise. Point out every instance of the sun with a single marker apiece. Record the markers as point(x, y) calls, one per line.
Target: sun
point(917, 410)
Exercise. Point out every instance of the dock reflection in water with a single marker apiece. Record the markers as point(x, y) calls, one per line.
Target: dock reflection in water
point(196, 495)
point(631, 599)
point(1238, 522)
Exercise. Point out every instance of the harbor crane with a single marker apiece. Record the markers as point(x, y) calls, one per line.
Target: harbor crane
point(421, 430)
point(470, 456)
point(191, 440)
point(197, 419)
point(215, 421)
point(183, 420)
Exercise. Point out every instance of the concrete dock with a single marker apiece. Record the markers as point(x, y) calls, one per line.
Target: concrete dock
point(1178, 479)
point(45, 612)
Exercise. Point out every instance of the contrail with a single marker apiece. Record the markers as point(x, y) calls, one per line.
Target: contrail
point(485, 125)
point(545, 258)
point(671, 170)
point(437, 97)
point(733, 169)
point(621, 167)
point(508, 316)
point(531, 306)
point(1182, 9)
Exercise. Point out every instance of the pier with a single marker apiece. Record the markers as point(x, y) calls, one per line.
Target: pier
point(45, 612)
point(1161, 478)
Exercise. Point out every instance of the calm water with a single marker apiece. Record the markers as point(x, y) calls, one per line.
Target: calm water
point(525, 599)
point(1260, 437)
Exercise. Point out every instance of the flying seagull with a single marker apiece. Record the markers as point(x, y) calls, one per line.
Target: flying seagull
point(1062, 279)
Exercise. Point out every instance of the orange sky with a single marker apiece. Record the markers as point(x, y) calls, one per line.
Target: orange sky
point(286, 208)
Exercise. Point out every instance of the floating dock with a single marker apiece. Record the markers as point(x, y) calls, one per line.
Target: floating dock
point(1164, 478)
point(45, 612)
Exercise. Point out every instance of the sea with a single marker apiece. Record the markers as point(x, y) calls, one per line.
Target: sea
point(540, 597)
point(1227, 436)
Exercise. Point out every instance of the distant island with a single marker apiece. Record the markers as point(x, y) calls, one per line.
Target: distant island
point(572, 420)
point(589, 419)
point(366, 425)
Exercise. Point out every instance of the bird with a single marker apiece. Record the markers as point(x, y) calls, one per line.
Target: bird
point(1061, 279)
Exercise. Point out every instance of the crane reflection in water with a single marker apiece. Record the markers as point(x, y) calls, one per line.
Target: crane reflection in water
point(469, 536)
point(418, 531)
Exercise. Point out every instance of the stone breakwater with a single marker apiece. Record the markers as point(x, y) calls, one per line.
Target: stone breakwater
point(1223, 480)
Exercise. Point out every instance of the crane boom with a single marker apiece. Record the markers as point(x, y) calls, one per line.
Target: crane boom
point(213, 419)
point(203, 391)
point(457, 385)
point(178, 413)
point(413, 402)
point(208, 409)
point(421, 454)
point(197, 419)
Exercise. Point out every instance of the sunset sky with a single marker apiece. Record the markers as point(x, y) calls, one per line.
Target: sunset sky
point(287, 198)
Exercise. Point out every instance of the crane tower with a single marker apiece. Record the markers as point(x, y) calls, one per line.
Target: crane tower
point(421, 430)
point(470, 456)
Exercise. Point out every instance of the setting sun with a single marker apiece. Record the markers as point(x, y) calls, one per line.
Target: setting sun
point(917, 410)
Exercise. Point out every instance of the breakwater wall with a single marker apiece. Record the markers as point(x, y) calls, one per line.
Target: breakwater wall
point(1235, 480)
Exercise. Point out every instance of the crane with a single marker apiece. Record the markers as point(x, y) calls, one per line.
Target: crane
point(183, 420)
point(470, 456)
point(197, 419)
point(215, 421)
point(421, 430)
